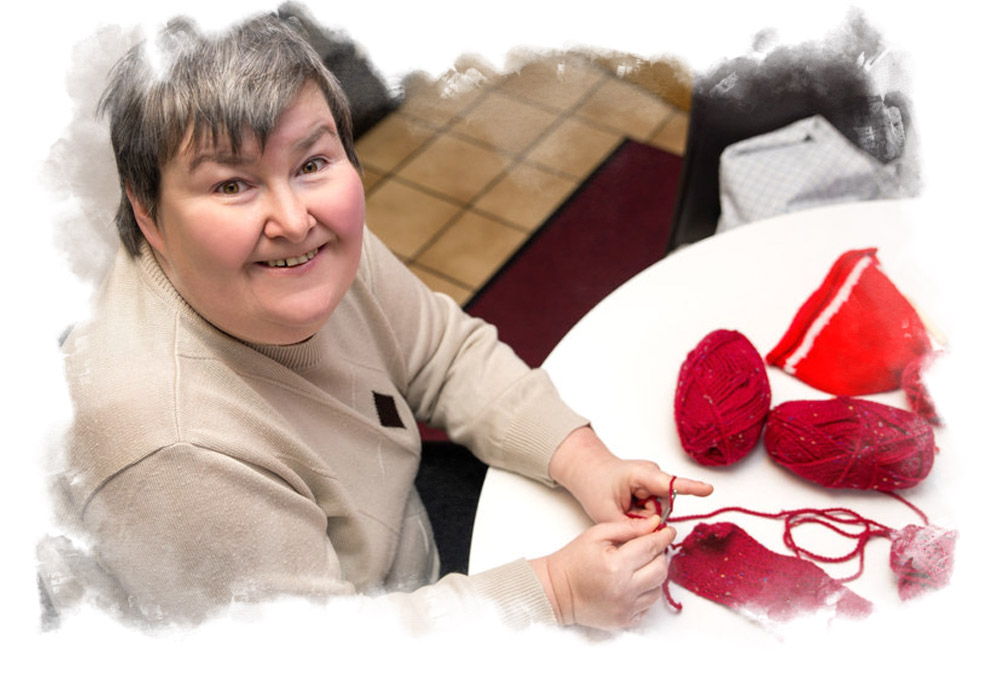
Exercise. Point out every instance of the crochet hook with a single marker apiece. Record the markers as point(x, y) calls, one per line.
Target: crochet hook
point(668, 507)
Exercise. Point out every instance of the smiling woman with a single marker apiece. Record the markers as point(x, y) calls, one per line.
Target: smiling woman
point(256, 363)
point(263, 244)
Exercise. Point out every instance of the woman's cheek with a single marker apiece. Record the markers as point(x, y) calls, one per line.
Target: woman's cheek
point(226, 238)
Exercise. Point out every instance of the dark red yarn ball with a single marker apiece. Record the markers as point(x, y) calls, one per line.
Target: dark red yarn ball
point(722, 399)
point(916, 389)
point(849, 442)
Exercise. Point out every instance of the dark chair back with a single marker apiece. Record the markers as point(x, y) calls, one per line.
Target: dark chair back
point(745, 97)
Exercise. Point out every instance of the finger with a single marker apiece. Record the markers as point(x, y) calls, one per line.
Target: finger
point(648, 598)
point(649, 577)
point(644, 507)
point(650, 481)
point(643, 549)
point(643, 603)
point(621, 532)
point(692, 487)
point(660, 483)
point(636, 618)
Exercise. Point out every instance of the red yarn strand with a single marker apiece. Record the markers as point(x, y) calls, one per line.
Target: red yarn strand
point(825, 517)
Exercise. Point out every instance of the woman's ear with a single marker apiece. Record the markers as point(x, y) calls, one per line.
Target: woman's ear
point(145, 221)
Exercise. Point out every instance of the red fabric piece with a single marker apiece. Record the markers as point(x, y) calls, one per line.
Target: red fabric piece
point(848, 442)
point(722, 399)
point(916, 390)
point(855, 334)
point(723, 564)
point(922, 558)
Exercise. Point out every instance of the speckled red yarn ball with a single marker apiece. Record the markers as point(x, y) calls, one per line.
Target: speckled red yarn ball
point(722, 399)
point(849, 442)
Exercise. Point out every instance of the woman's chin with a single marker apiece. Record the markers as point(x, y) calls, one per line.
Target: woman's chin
point(290, 324)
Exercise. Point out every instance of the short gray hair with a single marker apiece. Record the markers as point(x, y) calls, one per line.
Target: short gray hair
point(216, 87)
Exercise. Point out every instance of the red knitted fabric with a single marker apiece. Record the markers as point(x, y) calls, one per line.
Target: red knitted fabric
point(855, 334)
point(722, 399)
point(722, 563)
point(847, 442)
point(922, 558)
point(916, 390)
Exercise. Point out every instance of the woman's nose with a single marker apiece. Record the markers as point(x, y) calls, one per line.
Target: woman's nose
point(288, 216)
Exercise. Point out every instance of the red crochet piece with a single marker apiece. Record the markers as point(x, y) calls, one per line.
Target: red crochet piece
point(916, 390)
point(922, 558)
point(722, 399)
point(851, 443)
point(855, 334)
point(723, 564)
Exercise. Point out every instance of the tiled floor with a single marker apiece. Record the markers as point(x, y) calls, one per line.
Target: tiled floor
point(471, 165)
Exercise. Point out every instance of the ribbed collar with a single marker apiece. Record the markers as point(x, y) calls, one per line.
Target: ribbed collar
point(297, 357)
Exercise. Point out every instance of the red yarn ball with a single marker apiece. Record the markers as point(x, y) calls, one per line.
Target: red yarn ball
point(916, 389)
point(722, 399)
point(849, 442)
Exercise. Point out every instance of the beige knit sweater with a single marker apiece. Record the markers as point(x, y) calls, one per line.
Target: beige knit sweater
point(208, 471)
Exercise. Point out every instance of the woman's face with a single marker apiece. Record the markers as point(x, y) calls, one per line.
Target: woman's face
point(263, 245)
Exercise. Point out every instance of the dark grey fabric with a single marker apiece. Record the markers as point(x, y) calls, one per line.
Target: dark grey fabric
point(449, 481)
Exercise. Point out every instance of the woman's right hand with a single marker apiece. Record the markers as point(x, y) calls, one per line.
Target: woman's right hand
point(609, 576)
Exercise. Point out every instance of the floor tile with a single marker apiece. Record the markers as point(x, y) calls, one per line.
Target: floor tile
point(406, 218)
point(504, 123)
point(391, 141)
point(438, 103)
point(556, 82)
point(624, 107)
point(457, 140)
point(454, 167)
point(574, 148)
point(672, 136)
point(370, 179)
point(666, 78)
point(460, 293)
point(526, 196)
point(472, 249)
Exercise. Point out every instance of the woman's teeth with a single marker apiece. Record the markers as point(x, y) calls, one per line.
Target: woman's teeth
point(293, 261)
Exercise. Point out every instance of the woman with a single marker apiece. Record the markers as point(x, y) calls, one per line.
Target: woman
point(248, 388)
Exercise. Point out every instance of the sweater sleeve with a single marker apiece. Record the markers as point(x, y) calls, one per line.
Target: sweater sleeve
point(459, 376)
point(206, 530)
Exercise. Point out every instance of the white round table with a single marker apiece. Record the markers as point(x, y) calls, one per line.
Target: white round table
point(618, 366)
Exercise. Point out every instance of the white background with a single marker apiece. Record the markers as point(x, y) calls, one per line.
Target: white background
point(953, 93)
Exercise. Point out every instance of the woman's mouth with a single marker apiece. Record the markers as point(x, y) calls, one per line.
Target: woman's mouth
point(292, 261)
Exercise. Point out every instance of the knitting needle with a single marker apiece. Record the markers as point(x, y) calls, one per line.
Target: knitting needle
point(668, 507)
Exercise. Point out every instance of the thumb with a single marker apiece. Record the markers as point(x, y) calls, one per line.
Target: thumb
point(619, 532)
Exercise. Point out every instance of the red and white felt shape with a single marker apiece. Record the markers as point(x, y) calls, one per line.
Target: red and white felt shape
point(855, 334)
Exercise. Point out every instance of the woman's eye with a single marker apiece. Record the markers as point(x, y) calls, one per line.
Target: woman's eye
point(312, 165)
point(230, 188)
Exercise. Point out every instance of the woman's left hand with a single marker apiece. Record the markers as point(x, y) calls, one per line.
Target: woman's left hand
point(607, 486)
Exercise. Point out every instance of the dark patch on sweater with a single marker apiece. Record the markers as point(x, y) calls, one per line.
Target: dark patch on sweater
point(388, 414)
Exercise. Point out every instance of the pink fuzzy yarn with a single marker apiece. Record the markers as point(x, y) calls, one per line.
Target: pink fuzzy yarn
point(722, 399)
point(923, 558)
point(849, 442)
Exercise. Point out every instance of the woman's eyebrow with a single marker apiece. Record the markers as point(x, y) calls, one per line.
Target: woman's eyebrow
point(220, 157)
point(317, 134)
point(235, 159)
